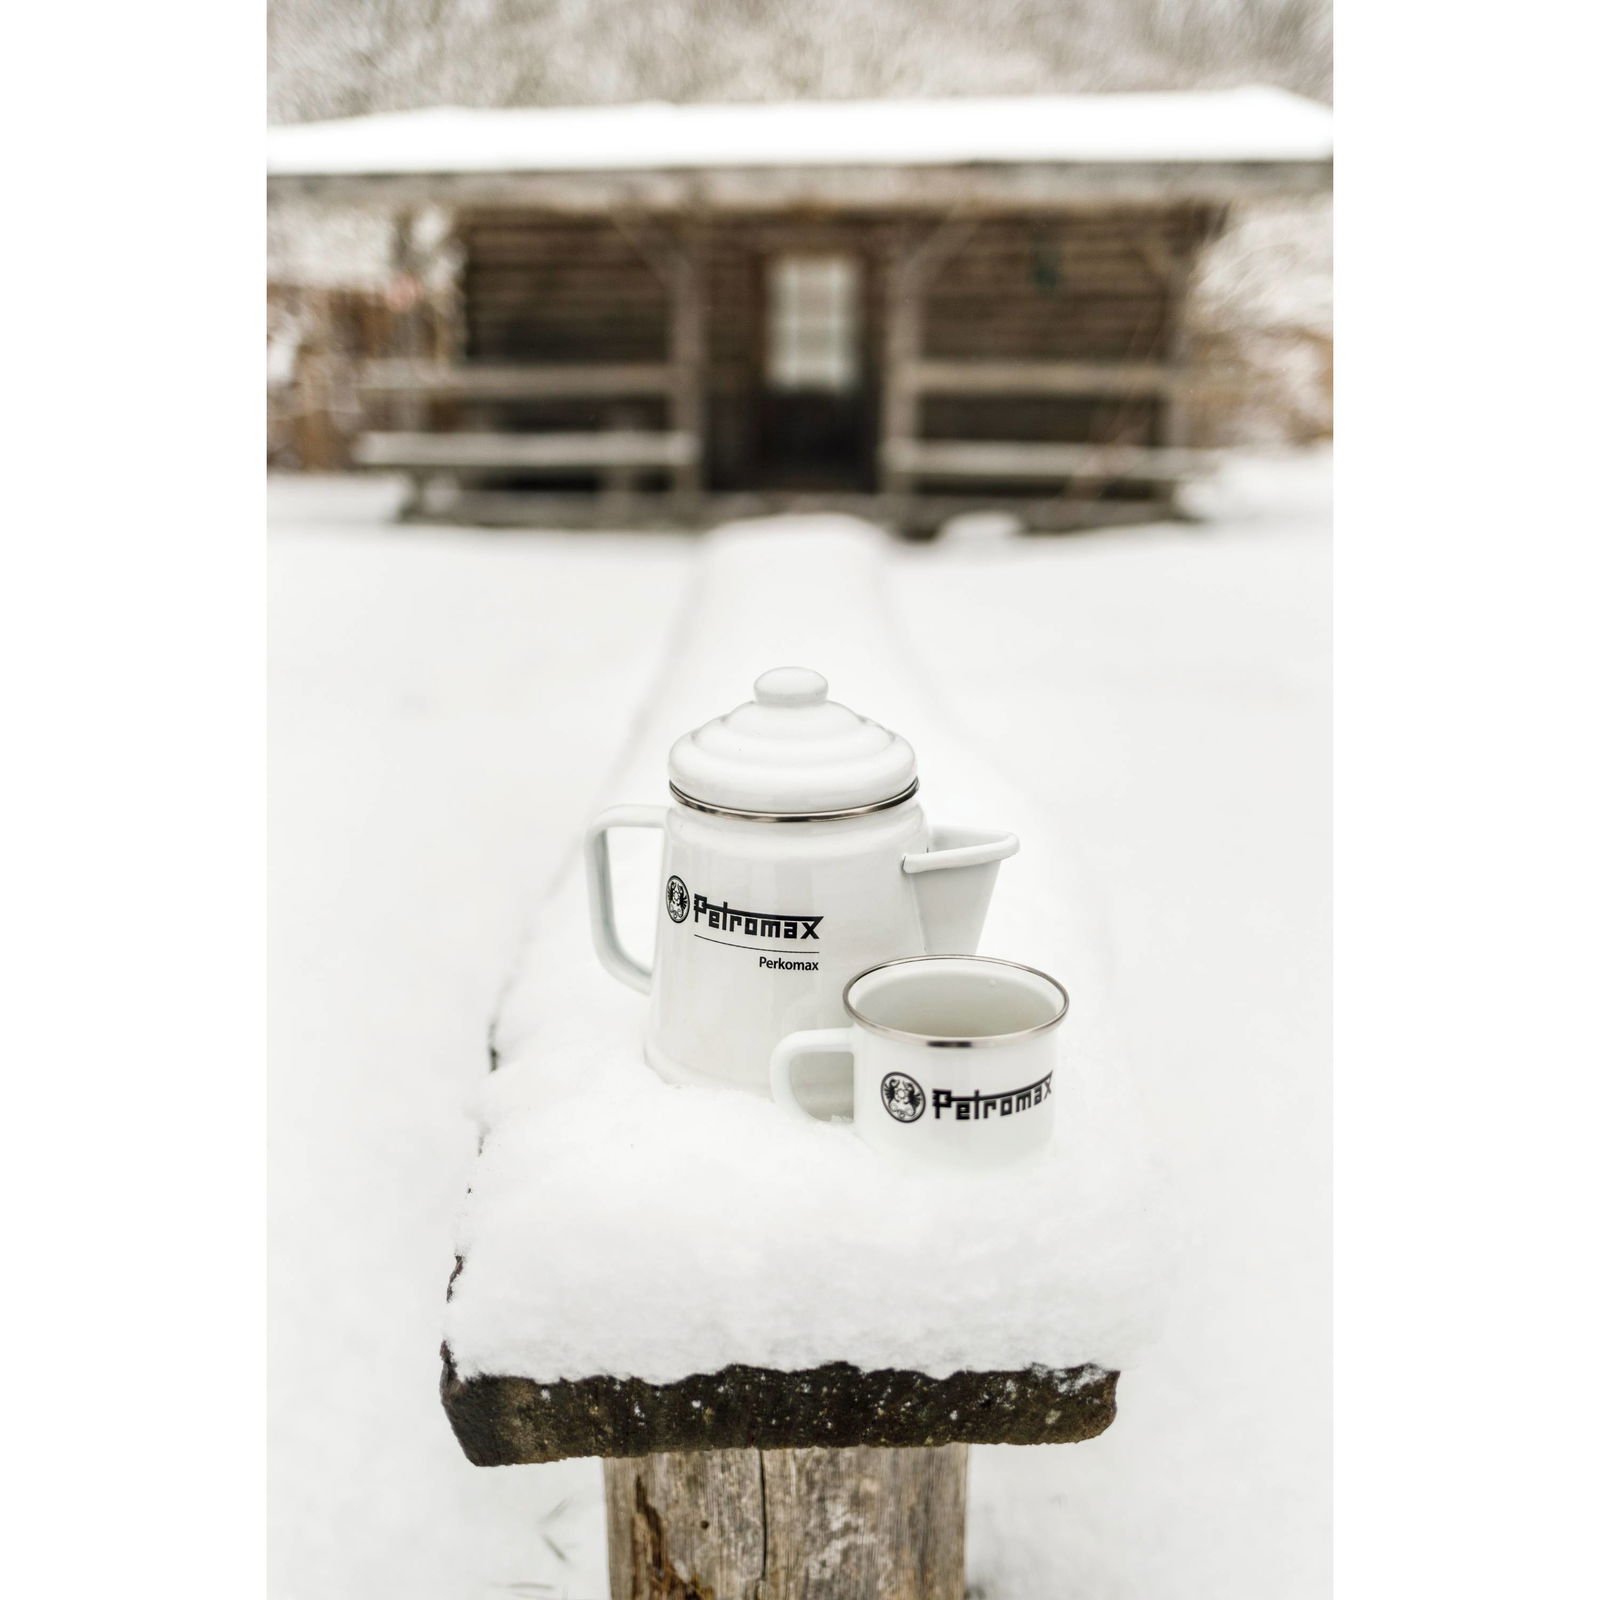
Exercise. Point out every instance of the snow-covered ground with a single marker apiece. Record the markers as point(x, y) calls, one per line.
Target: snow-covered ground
point(436, 697)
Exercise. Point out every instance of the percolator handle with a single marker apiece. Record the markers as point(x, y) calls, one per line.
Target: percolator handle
point(602, 907)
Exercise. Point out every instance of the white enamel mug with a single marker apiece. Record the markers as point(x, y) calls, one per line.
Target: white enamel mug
point(953, 1058)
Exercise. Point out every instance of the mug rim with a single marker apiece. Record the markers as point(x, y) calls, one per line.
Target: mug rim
point(946, 1041)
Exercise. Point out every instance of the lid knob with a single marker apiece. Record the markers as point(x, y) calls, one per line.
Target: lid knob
point(791, 686)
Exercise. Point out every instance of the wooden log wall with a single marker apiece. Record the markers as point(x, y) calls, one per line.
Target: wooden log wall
point(545, 289)
point(558, 289)
point(734, 357)
point(1097, 285)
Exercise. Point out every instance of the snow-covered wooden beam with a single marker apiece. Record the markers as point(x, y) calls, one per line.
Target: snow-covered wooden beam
point(768, 1332)
point(1077, 378)
point(446, 452)
point(509, 1421)
point(756, 190)
point(550, 381)
point(1001, 459)
point(1033, 151)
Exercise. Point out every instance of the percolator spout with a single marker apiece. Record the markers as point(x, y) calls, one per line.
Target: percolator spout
point(954, 880)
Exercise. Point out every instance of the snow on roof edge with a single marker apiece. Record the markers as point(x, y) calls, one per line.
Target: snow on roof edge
point(1255, 124)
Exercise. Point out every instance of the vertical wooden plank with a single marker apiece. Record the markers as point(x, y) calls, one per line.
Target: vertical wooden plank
point(1173, 429)
point(858, 1524)
point(902, 345)
point(1174, 424)
point(618, 484)
point(314, 379)
point(687, 1526)
point(687, 358)
point(866, 1524)
point(410, 410)
point(407, 336)
point(452, 347)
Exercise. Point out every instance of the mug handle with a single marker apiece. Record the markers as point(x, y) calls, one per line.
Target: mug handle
point(602, 906)
point(812, 1041)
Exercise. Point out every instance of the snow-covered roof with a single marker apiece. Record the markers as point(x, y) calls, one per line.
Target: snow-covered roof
point(1249, 125)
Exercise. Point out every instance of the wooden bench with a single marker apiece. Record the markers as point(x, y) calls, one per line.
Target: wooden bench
point(737, 1483)
point(616, 456)
point(433, 381)
point(647, 1276)
point(1081, 379)
point(1000, 461)
point(525, 452)
point(617, 453)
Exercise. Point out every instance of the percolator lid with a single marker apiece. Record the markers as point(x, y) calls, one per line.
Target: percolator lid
point(792, 752)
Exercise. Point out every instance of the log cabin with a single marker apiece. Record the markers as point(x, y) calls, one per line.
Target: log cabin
point(905, 308)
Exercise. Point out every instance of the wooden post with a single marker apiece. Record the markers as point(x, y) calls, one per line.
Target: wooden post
point(1173, 432)
point(1174, 429)
point(858, 1524)
point(687, 360)
point(405, 261)
point(619, 481)
point(902, 347)
point(314, 421)
point(913, 265)
point(411, 410)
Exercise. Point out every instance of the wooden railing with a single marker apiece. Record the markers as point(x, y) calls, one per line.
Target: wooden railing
point(615, 454)
point(905, 458)
point(526, 452)
point(973, 458)
point(550, 382)
point(1077, 378)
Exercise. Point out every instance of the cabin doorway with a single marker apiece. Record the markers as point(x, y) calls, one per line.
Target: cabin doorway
point(814, 429)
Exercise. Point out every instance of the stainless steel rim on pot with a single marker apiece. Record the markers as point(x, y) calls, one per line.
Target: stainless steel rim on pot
point(792, 816)
point(934, 1041)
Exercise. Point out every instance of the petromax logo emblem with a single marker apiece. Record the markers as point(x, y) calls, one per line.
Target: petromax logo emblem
point(677, 899)
point(903, 1098)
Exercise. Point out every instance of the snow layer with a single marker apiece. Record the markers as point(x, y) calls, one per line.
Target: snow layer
point(1248, 124)
point(751, 1236)
point(414, 818)
point(436, 696)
